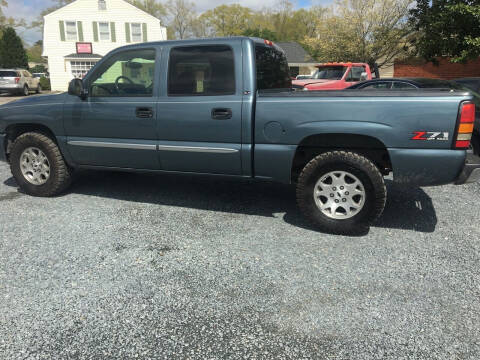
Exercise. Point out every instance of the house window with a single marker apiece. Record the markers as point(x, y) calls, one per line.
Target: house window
point(136, 32)
point(102, 5)
point(71, 30)
point(104, 30)
point(81, 68)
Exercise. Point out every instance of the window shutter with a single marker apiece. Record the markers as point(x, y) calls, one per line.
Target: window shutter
point(112, 31)
point(144, 31)
point(127, 32)
point(95, 31)
point(62, 30)
point(80, 31)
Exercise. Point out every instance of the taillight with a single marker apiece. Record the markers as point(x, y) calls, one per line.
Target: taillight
point(465, 126)
point(17, 79)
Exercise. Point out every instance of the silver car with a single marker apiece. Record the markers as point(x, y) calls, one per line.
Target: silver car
point(17, 81)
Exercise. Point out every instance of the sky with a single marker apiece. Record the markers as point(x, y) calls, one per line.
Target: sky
point(30, 10)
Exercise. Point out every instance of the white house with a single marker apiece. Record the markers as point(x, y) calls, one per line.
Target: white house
point(79, 34)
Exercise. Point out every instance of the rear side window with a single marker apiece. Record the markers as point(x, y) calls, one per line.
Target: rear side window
point(355, 73)
point(403, 86)
point(201, 71)
point(8, 73)
point(272, 69)
point(378, 86)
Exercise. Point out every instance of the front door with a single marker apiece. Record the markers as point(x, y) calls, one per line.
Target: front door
point(116, 125)
point(200, 110)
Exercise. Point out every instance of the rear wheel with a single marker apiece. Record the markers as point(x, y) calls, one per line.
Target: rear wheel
point(475, 144)
point(38, 166)
point(341, 192)
point(26, 92)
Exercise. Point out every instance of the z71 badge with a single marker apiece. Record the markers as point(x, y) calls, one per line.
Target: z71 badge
point(430, 135)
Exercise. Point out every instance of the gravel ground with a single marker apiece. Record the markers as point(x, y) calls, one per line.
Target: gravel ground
point(177, 267)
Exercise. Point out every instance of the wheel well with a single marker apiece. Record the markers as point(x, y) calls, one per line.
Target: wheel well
point(314, 145)
point(14, 131)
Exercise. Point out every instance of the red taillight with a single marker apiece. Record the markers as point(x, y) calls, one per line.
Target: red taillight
point(17, 79)
point(465, 126)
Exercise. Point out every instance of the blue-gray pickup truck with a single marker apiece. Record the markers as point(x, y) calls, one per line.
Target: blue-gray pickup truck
point(224, 106)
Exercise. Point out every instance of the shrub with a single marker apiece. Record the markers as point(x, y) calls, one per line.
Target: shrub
point(45, 83)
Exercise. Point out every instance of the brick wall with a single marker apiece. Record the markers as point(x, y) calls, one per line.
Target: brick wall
point(445, 69)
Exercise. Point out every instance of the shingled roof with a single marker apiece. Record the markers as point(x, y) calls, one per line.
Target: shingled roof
point(295, 53)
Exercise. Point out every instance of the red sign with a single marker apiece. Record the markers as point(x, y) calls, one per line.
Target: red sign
point(84, 48)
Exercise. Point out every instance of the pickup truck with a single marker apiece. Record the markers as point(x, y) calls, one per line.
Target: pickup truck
point(225, 107)
point(335, 76)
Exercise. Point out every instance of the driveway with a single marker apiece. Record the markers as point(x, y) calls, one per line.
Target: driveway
point(180, 267)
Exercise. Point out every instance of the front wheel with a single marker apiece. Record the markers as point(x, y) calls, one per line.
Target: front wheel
point(341, 192)
point(38, 166)
point(39, 89)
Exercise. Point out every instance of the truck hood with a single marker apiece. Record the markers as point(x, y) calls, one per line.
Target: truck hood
point(34, 100)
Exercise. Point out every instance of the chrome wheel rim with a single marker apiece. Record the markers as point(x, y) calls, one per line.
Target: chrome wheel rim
point(25, 90)
point(35, 166)
point(339, 195)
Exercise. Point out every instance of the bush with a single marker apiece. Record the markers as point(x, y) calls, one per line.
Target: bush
point(45, 83)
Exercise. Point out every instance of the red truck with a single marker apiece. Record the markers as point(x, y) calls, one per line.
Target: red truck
point(335, 76)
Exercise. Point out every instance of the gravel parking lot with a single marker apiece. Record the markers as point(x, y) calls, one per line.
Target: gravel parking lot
point(180, 267)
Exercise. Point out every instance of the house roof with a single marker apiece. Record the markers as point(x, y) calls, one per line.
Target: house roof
point(83, 56)
point(295, 52)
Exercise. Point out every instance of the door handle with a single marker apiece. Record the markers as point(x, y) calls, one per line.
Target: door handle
point(221, 114)
point(144, 112)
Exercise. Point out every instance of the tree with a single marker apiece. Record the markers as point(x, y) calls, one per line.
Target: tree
point(371, 31)
point(38, 23)
point(12, 53)
point(182, 15)
point(8, 21)
point(447, 27)
point(151, 7)
point(34, 53)
point(228, 20)
point(261, 33)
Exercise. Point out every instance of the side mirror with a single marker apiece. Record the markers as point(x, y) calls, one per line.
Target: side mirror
point(76, 88)
point(363, 76)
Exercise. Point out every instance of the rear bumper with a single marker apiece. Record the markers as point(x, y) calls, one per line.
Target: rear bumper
point(10, 88)
point(471, 170)
point(3, 156)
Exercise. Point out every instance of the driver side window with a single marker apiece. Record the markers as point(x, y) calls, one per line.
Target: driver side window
point(126, 74)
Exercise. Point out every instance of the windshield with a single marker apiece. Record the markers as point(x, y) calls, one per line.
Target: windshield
point(8, 74)
point(330, 72)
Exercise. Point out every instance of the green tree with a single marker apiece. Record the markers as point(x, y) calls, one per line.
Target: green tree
point(182, 15)
point(151, 7)
point(261, 33)
point(371, 31)
point(447, 27)
point(12, 53)
point(228, 20)
point(34, 53)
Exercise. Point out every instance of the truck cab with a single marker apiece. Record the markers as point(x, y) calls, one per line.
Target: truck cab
point(335, 76)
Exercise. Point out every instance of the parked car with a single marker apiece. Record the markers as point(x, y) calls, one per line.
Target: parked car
point(334, 76)
point(425, 83)
point(225, 107)
point(471, 83)
point(303, 77)
point(17, 81)
point(40, 75)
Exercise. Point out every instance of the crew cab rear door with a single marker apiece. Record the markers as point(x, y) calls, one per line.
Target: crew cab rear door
point(200, 108)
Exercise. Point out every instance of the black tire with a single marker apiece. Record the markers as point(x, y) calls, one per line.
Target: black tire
point(39, 89)
point(60, 174)
point(355, 164)
point(26, 91)
point(475, 143)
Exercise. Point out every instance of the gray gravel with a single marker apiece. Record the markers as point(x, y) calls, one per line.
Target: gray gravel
point(177, 267)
